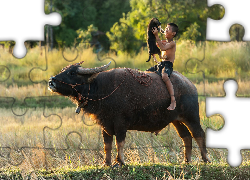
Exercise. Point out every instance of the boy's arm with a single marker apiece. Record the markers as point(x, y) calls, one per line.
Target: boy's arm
point(160, 44)
point(166, 46)
point(164, 42)
point(156, 60)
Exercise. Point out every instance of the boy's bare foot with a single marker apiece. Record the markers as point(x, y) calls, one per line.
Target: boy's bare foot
point(172, 105)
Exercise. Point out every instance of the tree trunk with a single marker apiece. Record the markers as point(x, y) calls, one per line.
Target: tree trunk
point(47, 37)
point(237, 29)
point(51, 30)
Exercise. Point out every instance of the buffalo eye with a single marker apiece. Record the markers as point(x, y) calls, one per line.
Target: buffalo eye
point(72, 73)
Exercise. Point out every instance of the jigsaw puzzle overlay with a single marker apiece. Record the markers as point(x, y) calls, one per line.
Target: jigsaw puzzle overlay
point(24, 25)
point(235, 13)
point(229, 136)
point(233, 136)
point(41, 130)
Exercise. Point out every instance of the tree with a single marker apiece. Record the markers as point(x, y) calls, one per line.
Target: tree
point(190, 15)
point(122, 37)
point(78, 14)
point(236, 32)
point(84, 36)
point(192, 33)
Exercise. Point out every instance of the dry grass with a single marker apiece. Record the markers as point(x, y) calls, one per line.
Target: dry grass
point(20, 92)
point(78, 141)
point(219, 60)
point(217, 88)
point(41, 89)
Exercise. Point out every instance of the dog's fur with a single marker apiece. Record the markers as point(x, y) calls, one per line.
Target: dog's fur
point(151, 40)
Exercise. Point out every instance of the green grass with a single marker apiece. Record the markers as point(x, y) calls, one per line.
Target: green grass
point(220, 60)
point(36, 102)
point(139, 171)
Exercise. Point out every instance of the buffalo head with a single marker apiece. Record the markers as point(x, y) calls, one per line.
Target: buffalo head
point(74, 78)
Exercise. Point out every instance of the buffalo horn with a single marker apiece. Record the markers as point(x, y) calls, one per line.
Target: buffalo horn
point(82, 70)
point(79, 63)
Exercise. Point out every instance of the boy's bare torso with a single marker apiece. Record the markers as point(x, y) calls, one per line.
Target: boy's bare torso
point(169, 53)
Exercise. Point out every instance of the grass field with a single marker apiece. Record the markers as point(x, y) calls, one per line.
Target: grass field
point(75, 149)
point(54, 137)
point(147, 171)
point(219, 61)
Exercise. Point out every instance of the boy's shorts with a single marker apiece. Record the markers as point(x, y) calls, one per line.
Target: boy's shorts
point(158, 68)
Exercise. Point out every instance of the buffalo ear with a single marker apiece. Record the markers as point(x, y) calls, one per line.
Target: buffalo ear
point(92, 77)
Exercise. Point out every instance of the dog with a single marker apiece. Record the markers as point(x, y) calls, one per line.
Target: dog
point(151, 41)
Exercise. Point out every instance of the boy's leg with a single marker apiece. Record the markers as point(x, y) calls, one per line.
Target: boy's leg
point(170, 88)
point(152, 69)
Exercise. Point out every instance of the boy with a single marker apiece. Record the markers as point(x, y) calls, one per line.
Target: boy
point(165, 67)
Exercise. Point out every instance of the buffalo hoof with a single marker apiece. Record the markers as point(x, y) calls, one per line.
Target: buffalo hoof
point(206, 160)
point(185, 162)
point(106, 165)
point(78, 109)
point(157, 132)
point(117, 164)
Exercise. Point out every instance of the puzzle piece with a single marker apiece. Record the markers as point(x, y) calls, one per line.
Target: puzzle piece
point(38, 75)
point(14, 124)
point(230, 137)
point(193, 67)
point(13, 78)
point(235, 12)
point(4, 73)
point(27, 24)
point(225, 52)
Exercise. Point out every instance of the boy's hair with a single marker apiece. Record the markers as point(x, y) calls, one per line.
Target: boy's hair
point(174, 28)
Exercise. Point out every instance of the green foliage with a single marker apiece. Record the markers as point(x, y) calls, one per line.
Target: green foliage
point(236, 32)
point(78, 14)
point(216, 12)
point(192, 33)
point(75, 14)
point(122, 37)
point(66, 36)
point(141, 171)
point(84, 36)
point(190, 16)
point(222, 59)
point(131, 18)
point(109, 12)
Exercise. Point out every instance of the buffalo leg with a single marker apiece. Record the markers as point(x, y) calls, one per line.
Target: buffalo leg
point(120, 155)
point(120, 134)
point(107, 140)
point(186, 137)
point(201, 143)
point(199, 136)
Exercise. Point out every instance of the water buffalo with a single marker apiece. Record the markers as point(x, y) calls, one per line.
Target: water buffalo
point(124, 99)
